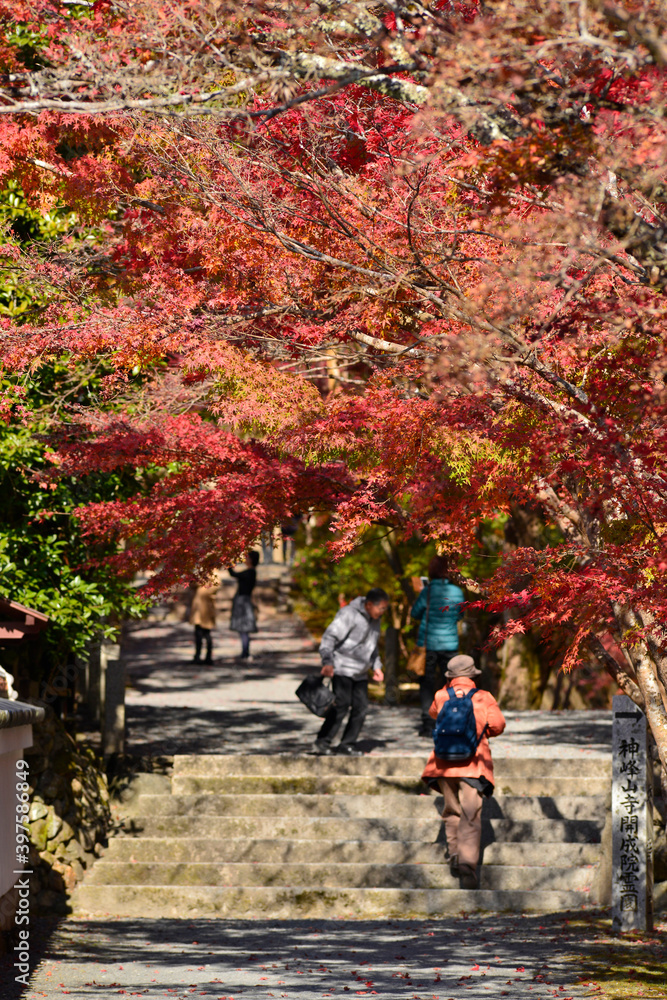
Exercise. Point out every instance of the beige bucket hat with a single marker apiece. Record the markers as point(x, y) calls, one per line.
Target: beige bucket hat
point(461, 666)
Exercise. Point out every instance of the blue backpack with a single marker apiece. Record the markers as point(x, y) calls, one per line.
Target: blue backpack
point(455, 734)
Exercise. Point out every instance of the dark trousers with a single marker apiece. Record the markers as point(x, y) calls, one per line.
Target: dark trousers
point(245, 644)
point(202, 633)
point(349, 694)
point(433, 679)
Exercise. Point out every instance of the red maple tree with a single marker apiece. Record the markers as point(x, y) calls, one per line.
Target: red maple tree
point(411, 268)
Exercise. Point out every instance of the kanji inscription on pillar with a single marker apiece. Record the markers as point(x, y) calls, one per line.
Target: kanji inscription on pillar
point(632, 850)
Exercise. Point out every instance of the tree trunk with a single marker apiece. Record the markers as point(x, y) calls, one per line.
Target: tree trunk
point(627, 684)
point(655, 708)
point(520, 684)
point(652, 691)
point(393, 557)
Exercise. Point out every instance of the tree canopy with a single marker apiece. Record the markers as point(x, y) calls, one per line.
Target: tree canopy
point(405, 263)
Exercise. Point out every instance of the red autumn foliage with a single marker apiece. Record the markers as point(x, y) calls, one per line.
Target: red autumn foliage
point(413, 271)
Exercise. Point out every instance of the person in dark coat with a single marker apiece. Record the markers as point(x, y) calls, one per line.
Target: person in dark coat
point(243, 618)
point(445, 607)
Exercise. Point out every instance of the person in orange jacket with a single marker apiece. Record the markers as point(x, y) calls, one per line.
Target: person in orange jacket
point(464, 784)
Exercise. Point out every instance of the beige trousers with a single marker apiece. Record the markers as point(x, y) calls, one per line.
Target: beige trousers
point(463, 819)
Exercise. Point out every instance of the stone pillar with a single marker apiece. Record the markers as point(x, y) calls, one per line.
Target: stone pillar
point(277, 537)
point(112, 675)
point(632, 820)
point(93, 693)
point(81, 681)
point(266, 540)
point(391, 665)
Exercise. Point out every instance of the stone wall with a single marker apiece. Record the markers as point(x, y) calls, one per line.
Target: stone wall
point(69, 814)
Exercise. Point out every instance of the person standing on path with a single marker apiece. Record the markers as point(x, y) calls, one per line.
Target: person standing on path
point(243, 618)
point(349, 649)
point(202, 616)
point(464, 783)
point(444, 601)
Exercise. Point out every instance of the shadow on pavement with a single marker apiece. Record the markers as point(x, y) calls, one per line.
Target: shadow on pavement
point(42, 932)
point(256, 727)
point(191, 678)
point(583, 731)
point(168, 730)
point(493, 954)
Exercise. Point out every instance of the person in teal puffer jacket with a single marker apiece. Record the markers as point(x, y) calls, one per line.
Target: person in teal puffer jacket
point(442, 641)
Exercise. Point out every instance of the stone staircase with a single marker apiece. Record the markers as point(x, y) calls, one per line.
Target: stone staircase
point(287, 836)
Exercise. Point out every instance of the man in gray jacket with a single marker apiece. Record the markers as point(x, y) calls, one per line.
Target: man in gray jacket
point(349, 649)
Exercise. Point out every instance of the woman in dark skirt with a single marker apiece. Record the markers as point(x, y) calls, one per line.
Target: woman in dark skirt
point(243, 618)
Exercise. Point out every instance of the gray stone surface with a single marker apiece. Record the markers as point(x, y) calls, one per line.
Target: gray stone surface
point(518, 808)
point(206, 849)
point(174, 706)
point(314, 902)
point(112, 699)
point(473, 957)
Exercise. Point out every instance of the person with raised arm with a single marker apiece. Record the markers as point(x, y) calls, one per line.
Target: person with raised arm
point(243, 618)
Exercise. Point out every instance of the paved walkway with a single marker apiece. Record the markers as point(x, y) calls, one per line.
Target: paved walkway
point(175, 706)
point(476, 958)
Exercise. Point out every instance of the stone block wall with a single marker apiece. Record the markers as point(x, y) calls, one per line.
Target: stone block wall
point(69, 814)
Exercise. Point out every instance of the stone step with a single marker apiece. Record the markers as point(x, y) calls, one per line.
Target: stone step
point(406, 767)
point(333, 875)
point(547, 831)
point(302, 784)
point(238, 849)
point(193, 825)
point(279, 903)
point(294, 835)
point(515, 807)
point(347, 784)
